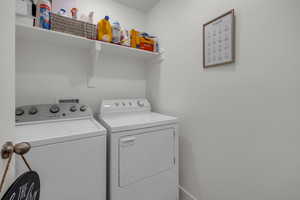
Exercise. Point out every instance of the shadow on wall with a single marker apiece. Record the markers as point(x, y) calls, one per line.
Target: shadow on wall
point(45, 74)
point(153, 84)
point(221, 68)
point(188, 150)
point(73, 64)
point(120, 67)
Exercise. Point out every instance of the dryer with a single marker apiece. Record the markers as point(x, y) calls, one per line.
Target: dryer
point(142, 151)
point(68, 150)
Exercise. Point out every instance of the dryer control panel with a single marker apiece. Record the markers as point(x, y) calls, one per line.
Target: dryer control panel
point(124, 106)
point(33, 113)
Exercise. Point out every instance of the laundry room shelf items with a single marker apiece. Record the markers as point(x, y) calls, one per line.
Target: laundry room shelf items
point(95, 48)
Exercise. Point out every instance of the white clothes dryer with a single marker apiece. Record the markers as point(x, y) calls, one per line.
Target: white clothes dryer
point(142, 151)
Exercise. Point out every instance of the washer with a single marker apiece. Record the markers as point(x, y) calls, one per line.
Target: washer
point(142, 151)
point(68, 150)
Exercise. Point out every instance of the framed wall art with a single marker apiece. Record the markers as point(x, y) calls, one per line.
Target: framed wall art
point(219, 40)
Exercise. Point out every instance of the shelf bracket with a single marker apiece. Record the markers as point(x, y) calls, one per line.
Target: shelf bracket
point(162, 55)
point(159, 59)
point(96, 48)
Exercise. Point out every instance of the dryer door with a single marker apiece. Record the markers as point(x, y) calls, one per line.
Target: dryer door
point(145, 155)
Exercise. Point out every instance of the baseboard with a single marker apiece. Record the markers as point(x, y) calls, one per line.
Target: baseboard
point(185, 195)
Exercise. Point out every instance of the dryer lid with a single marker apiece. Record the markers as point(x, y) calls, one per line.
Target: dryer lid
point(50, 132)
point(131, 121)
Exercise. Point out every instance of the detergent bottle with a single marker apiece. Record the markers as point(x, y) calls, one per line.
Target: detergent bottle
point(135, 38)
point(116, 33)
point(43, 14)
point(105, 30)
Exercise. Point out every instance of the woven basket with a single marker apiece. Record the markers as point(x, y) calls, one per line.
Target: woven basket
point(72, 26)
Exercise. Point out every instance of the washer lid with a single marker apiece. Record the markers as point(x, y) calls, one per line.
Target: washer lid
point(50, 132)
point(130, 121)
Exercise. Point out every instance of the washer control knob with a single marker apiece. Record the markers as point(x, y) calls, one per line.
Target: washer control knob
point(54, 109)
point(117, 104)
point(140, 103)
point(83, 108)
point(33, 110)
point(73, 109)
point(19, 111)
point(123, 103)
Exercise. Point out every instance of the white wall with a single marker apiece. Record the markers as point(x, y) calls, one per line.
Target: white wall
point(128, 17)
point(7, 81)
point(239, 123)
point(46, 72)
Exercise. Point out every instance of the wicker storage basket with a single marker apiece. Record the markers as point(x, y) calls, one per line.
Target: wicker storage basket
point(75, 27)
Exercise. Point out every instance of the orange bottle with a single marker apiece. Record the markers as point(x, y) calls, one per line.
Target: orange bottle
point(135, 39)
point(104, 30)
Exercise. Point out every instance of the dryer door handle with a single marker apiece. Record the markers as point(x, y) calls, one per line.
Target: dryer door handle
point(128, 141)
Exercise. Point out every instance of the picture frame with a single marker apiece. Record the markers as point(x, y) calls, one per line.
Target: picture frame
point(219, 40)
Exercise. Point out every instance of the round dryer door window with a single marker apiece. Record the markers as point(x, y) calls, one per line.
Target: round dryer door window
point(26, 187)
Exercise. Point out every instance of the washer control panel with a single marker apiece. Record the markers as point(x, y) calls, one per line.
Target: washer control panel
point(124, 105)
point(45, 112)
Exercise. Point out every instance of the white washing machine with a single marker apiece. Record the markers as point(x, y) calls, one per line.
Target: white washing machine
point(142, 151)
point(68, 150)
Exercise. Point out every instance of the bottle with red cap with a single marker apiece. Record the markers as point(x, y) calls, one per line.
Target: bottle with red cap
point(43, 14)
